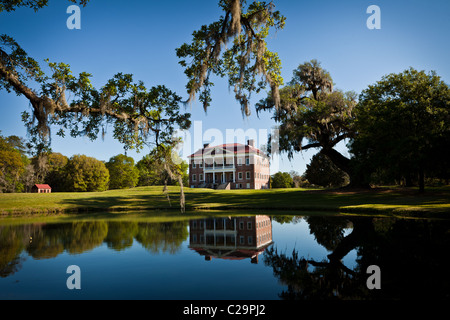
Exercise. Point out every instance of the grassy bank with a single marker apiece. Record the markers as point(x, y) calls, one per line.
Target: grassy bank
point(396, 201)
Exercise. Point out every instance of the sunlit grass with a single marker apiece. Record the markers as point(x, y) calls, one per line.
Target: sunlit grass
point(384, 200)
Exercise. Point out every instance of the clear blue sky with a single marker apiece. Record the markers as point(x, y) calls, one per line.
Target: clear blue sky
point(140, 37)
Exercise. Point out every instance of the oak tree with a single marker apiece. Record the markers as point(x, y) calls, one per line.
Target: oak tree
point(235, 47)
point(402, 125)
point(312, 115)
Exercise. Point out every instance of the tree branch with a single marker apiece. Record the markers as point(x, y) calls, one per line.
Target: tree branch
point(310, 146)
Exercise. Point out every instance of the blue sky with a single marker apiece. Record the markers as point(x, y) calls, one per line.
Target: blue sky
point(140, 37)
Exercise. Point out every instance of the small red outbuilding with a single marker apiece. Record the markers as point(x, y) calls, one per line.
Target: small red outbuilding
point(41, 188)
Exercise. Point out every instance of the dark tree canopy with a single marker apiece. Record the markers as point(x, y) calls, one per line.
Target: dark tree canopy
point(322, 172)
point(402, 125)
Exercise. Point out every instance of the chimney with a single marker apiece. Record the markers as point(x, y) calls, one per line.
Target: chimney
point(206, 145)
point(251, 143)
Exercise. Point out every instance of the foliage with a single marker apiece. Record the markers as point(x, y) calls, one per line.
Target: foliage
point(56, 176)
point(311, 111)
point(322, 172)
point(163, 166)
point(281, 180)
point(11, 167)
point(149, 175)
point(86, 174)
point(139, 116)
point(234, 46)
point(13, 164)
point(299, 181)
point(12, 5)
point(403, 126)
point(122, 172)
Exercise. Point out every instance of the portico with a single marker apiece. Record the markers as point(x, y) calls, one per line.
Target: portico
point(232, 166)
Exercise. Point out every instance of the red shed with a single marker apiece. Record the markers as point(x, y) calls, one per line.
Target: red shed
point(41, 188)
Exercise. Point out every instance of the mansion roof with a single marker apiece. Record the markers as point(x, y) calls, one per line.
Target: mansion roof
point(227, 150)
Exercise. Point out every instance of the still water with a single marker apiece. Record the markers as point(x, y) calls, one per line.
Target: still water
point(261, 257)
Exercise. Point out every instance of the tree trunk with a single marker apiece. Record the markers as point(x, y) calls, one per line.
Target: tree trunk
point(182, 197)
point(421, 180)
point(344, 163)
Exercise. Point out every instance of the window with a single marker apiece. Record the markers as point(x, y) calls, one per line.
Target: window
point(247, 175)
point(201, 177)
point(194, 177)
point(249, 239)
point(194, 165)
point(248, 185)
point(241, 225)
point(247, 161)
point(239, 161)
point(240, 175)
point(200, 165)
point(249, 225)
point(241, 240)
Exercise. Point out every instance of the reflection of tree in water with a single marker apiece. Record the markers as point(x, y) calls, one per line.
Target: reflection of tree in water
point(155, 237)
point(121, 234)
point(410, 253)
point(307, 279)
point(165, 237)
point(328, 230)
point(13, 240)
point(74, 238)
point(45, 241)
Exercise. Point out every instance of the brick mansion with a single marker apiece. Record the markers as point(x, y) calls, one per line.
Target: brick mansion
point(229, 166)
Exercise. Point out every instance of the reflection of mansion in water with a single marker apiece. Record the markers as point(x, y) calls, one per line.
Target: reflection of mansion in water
point(233, 238)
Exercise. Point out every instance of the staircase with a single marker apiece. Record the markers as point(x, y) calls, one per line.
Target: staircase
point(224, 186)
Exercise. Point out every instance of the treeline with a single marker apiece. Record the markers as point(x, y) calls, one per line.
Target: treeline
point(79, 173)
point(322, 172)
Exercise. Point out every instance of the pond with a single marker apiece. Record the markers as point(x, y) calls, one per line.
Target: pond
point(248, 257)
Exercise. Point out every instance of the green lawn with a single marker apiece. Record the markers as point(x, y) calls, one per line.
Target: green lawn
point(436, 201)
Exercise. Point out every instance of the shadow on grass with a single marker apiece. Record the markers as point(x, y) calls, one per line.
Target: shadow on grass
point(273, 199)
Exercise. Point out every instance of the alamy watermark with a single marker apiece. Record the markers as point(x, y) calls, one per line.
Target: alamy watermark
point(374, 21)
point(74, 280)
point(212, 137)
point(74, 20)
point(374, 280)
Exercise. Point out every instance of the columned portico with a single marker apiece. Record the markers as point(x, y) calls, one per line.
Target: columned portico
point(231, 166)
